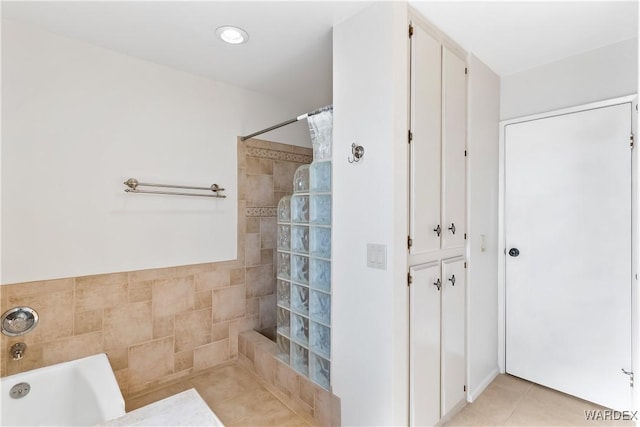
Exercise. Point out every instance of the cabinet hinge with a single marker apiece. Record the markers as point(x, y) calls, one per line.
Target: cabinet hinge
point(464, 388)
point(631, 141)
point(410, 136)
point(410, 30)
point(466, 70)
point(409, 279)
point(465, 236)
point(630, 374)
point(409, 242)
point(465, 264)
point(465, 153)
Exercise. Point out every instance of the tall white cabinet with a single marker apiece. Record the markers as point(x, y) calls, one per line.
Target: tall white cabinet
point(437, 231)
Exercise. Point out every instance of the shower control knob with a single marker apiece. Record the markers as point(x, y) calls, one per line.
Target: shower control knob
point(514, 252)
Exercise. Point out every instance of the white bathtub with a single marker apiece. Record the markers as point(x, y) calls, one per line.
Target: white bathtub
point(82, 392)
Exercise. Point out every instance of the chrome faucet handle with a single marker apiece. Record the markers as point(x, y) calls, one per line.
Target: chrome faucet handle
point(17, 350)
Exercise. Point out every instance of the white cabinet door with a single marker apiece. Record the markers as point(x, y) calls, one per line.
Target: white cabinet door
point(454, 145)
point(453, 333)
point(426, 118)
point(424, 312)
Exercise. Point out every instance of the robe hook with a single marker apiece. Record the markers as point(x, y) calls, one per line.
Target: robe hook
point(357, 152)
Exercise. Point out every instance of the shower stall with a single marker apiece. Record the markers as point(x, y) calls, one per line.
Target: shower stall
point(303, 259)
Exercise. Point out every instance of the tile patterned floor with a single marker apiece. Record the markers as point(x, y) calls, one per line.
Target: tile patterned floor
point(510, 401)
point(234, 393)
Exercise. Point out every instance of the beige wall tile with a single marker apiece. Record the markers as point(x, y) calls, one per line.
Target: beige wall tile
point(253, 165)
point(253, 306)
point(173, 296)
point(260, 281)
point(220, 331)
point(183, 360)
point(210, 355)
point(283, 175)
point(127, 325)
point(259, 190)
point(55, 313)
point(287, 379)
point(193, 269)
point(18, 290)
point(307, 391)
point(192, 329)
point(253, 225)
point(202, 300)
point(266, 166)
point(87, 321)
point(101, 280)
point(150, 361)
point(242, 346)
point(71, 348)
point(268, 233)
point(252, 254)
point(270, 145)
point(119, 358)
point(140, 291)
point(228, 303)
point(322, 407)
point(122, 378)
point(266, 256)
point(247, 323)
point(162, 327)
point(242, 184)
point(212, 280)
point(237, 276)
point(102, 291)
point(265, 363)
point(151, 274)
point(267, 311)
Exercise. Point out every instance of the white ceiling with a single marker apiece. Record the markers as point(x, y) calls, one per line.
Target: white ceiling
point(513, 36)
point(289, 51)
point(288, 54)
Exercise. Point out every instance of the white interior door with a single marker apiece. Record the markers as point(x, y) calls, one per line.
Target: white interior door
point(568, 292)
point(424, 352)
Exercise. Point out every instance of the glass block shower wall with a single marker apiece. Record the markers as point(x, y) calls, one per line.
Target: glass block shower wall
point(304, 262)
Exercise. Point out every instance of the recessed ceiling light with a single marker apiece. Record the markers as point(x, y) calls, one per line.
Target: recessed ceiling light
point(232, 35)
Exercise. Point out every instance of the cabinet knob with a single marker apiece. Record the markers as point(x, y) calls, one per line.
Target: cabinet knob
point(453, 280)
point(438, 284)
point(514, 252)
point(453, 228)
point(438, 230)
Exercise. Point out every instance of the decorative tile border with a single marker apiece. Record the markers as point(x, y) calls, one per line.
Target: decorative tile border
point(278, 155)
point(261, 212)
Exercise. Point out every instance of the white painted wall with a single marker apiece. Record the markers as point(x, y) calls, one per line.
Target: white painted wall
point(369, 342)
point(604, 73)
point(483, 93)
point(77, 120)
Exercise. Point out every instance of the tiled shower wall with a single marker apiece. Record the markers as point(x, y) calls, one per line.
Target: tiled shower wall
point(267, 171)
point(162, 324)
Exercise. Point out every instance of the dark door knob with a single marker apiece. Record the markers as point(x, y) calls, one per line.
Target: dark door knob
point(514, 252)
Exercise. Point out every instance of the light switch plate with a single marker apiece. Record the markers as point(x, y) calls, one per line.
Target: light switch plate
point(377, 256)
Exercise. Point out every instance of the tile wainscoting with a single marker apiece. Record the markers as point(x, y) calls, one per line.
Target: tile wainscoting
point(163, 324)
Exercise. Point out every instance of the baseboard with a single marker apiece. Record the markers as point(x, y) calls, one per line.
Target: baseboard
point(473, 394)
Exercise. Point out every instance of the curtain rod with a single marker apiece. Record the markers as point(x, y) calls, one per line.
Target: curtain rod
point(288, 122)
